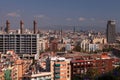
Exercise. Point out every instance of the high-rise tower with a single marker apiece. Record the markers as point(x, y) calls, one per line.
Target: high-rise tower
point(35, 26)
point(111, 32)
point(21, 27)
point(7, 26)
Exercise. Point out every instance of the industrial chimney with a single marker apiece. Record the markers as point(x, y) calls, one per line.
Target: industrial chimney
point(21, 27)
point(7, 26)
point(35, 26)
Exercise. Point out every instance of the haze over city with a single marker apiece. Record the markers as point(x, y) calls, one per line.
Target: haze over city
point(85, 14)
point(59, 40)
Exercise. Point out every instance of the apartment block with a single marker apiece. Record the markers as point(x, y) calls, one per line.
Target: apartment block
point(2, 76)
point(61, 69)
point(81, 64)
point(20, 68)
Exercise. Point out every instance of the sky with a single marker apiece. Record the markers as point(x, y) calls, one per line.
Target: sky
point(84, 14)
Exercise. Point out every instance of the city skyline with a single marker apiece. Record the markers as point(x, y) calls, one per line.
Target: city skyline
point(88, 14)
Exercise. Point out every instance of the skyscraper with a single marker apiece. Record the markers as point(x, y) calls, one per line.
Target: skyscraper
point(111, 33)
point(34, 27)
point(21, 27)
point(7, 26)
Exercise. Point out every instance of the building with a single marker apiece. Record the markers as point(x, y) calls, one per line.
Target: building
point(85, 45)
point(99, 40)
point(41, 76)
point(68, 47)
point(102, 63)
point(38, 76)
point(60, 68)
point(20, 68)
point(20, 43)
point(111, 32)
point(7, 29)
point(13, 67)
point(2, 76)
point(54, 45)
point(93, 47)
point(34, 27)
point(43, 44)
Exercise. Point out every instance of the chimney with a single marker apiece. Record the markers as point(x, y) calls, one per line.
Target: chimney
point(7, 26)
point(1, 28)
point(21, 27)
point(35, 26)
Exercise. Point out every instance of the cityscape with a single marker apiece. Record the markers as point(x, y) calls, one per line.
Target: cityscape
point(55, 45)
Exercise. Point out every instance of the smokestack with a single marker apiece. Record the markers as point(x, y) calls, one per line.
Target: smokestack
point(7, 26)
point(1, 28)
point(35, 26)
point(21, 27)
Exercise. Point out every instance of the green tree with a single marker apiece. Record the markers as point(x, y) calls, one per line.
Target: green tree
point(77, 48)
point(7, 74)
point(92, 73)
point(112, 75)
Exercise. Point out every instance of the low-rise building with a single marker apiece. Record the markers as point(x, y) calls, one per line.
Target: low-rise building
point(100, 40)
point(41, 76)
point(93, 47)
point(81, 64)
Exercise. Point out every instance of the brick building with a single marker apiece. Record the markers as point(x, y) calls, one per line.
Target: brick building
point(80, 64)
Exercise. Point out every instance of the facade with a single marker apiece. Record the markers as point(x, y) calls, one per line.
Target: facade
point(61, 69)
point(111, 33)
point(17, 66)
point(99, 40)
point(68, 47)
point(20, 43)
point(66, 40)
point(60, 46)
point(80, 65)
point(85, 45)
point(43, 44)
point(54, 45)
point(38, 76)
point(2, 76)
point(41, 76)
point(93, 47)
point(19, 69)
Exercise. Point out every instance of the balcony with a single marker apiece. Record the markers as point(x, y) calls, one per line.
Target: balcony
point(57, 65)
point(57, 72)
point(57, 76)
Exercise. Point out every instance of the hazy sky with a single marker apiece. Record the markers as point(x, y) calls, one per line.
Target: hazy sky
point(85, 13)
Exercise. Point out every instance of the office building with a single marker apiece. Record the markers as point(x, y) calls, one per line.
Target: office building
point(110, 32)
point(20, 43)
